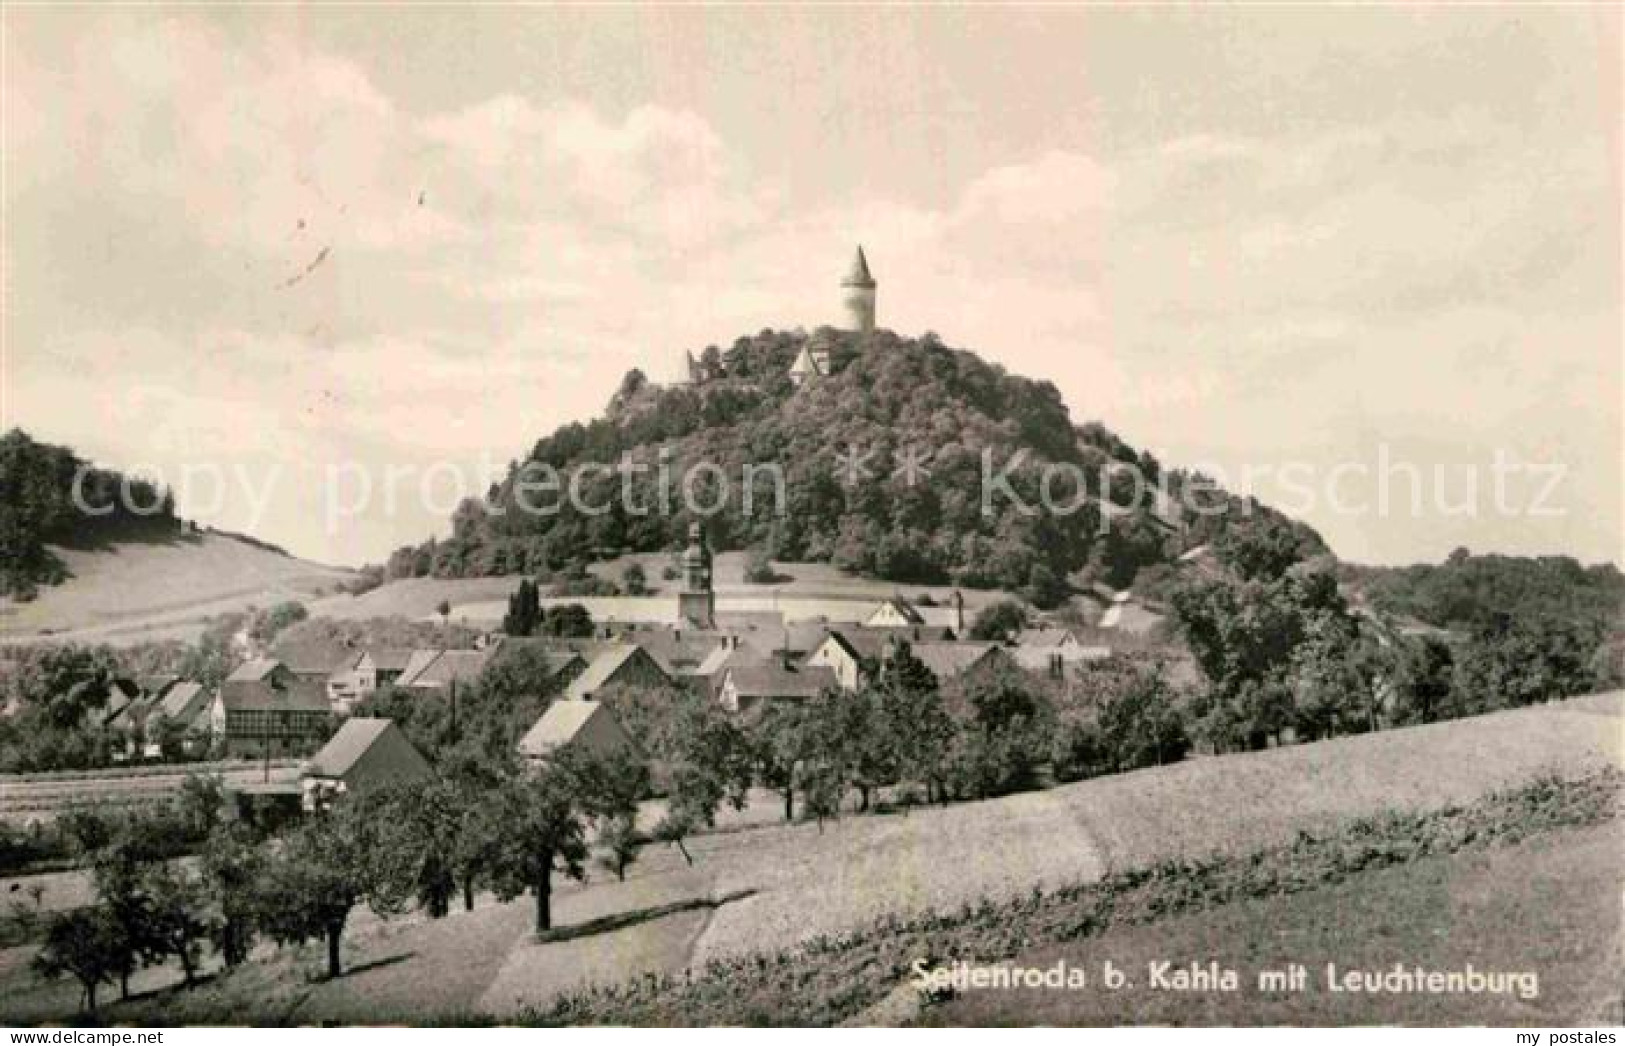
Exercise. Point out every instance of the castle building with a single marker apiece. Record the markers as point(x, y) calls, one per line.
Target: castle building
point(697, 602)
point(858, 295)
point(810, 363)
point(858, 316)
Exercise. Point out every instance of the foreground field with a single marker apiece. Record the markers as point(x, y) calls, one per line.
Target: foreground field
point(764, 889)
point(1549, 906)
point(161, 590)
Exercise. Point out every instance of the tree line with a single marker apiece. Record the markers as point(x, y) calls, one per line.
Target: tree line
point(37, 508)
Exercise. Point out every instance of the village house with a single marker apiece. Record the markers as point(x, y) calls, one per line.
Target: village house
point(898, 612)
point(166, 705)
point(1049, 650)
point(263, 710)
point(846, 653)
point(588, 727)
point(369, 670)
point(184, 709)
point(313, 660)
point(366, 753)
point(438, 673)
point(853, 653)
point(953, 660)
point(749, 687)
point(619, 664)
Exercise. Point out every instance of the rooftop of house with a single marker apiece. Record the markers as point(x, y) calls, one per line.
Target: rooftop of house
point(182, 700)
point(601, 668)
point(254, 671)
point(258, 695)
point(771, 679)
point(562, 723)
point(435, 669)
point(946, 660)
point(314, 657)
point(1044, 636)
point(354, 740)
point(902, 607)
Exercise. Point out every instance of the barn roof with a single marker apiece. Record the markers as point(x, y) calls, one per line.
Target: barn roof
point(355, 739)
point(601, 668)
point(563, 722)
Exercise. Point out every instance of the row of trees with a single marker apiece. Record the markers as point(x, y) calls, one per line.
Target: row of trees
point(477, 825)
point(1285, 655)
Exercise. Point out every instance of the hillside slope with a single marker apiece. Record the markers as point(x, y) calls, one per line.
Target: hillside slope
point(156, 589)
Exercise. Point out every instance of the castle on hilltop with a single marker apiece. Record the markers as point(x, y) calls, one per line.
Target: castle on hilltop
point(857, 316)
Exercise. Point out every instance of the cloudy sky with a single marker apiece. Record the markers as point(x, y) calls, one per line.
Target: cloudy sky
point(321, 250)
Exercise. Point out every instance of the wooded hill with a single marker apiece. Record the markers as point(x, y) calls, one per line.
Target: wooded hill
point(885, 395)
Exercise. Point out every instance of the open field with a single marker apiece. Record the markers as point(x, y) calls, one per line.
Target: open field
point(161, 590)
point(1262, 798)
point(1550, 906)
point(770, 887)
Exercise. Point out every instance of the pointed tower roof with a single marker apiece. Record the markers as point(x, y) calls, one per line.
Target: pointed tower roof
point(858, 275)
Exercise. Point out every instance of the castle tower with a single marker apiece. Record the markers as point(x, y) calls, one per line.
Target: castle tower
point(858, 295)
point(697, 602)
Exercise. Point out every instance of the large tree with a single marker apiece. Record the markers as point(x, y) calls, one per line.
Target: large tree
point(324, 868)
point(545, 835)
point(85, 943)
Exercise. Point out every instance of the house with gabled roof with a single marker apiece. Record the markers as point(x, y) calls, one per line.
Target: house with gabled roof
point(1049, 649)
point(847, 651)
point(898, 612)
point(366, 753)
point(314, 660)
point(437, 672)
point(587, 726)
point(620, 664)
point(952, 660)
point(367, 670)
point(752, 686)
point(262, 710)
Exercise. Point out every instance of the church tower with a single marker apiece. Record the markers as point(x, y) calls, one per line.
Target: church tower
point(858, 296)
point(697, 602)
